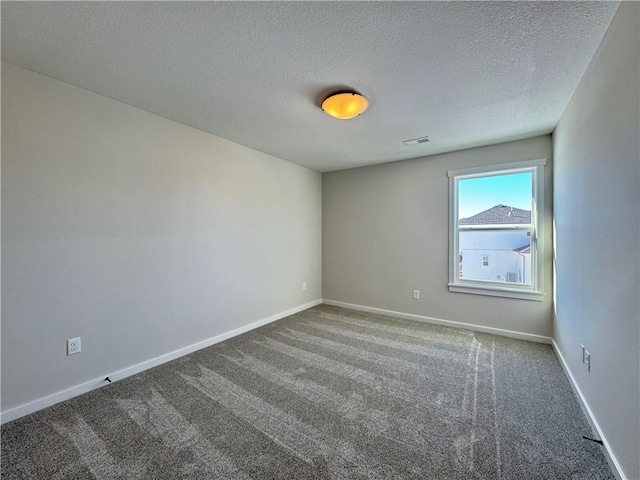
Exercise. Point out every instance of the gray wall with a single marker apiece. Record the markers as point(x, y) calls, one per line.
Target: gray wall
point(386, 233)
point(596, 213)
point(139, 234)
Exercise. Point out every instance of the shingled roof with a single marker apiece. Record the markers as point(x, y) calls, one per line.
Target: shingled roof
point(500, 214)
point(523, 249)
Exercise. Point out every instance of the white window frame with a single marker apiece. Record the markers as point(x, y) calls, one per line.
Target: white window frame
point(535, 291)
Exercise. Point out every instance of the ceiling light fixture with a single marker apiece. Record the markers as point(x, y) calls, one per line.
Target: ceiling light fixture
point(345, 105)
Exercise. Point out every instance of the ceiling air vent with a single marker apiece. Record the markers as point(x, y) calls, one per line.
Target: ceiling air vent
point(416, 141)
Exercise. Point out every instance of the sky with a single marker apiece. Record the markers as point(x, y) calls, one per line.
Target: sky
point(479, 194)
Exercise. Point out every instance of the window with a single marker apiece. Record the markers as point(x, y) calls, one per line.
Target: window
point(495, 224)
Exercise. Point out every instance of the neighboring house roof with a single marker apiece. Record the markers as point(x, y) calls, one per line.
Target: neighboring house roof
point(500, 214)
point(523, 249)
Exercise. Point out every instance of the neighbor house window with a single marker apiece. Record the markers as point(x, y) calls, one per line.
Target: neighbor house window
point(495, 230)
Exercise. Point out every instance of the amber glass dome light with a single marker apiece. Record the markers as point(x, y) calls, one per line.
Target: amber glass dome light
point(345, 105)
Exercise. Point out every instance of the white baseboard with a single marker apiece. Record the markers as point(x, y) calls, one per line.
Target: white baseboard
point(57, 397)
point(448, 323)
point(608, 453)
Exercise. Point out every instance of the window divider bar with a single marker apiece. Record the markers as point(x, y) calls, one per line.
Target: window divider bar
point(498, 227)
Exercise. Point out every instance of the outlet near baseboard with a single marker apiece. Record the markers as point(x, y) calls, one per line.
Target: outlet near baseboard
point(587, 360)
point(73, 346)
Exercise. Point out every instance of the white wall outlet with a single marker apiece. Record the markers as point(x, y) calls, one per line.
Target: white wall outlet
point(587, 360)
point(583, 350)
point(73, 346)
point(416, 294)
point(304, 285)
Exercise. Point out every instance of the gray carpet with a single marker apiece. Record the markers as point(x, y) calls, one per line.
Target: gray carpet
point(326, 393)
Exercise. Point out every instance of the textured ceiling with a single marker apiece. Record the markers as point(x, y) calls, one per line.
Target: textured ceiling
point(464, 73)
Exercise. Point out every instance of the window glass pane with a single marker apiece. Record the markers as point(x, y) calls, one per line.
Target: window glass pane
point(496, 199)
point(494, 228)
point(495, 256)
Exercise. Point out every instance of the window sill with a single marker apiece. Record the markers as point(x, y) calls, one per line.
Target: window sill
point(497, 291)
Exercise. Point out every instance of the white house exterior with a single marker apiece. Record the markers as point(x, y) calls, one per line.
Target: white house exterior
point(495, 256)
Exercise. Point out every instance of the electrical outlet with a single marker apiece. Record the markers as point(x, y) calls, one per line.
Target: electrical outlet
point(583, 350)
point(73, 346)
point(416, 294)
point(587, 360)
point(304, 285)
